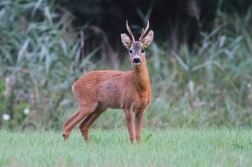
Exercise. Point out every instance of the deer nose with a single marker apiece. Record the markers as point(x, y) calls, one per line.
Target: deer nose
point(136, 60)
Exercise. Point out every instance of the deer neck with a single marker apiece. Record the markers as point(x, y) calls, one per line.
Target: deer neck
point(141, 76)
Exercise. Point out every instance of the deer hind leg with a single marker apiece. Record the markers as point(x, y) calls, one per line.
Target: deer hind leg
point(129, 120)
point(82, 112)
point(89, 120)
point(138, 125)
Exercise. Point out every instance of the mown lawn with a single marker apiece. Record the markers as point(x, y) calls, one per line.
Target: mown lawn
point(170, 147)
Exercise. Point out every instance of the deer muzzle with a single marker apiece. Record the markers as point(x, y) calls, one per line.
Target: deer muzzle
point(136, 60)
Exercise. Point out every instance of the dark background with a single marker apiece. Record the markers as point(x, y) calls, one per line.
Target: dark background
point(170, 19)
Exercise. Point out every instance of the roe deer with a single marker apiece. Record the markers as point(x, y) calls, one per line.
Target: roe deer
point(131, 90)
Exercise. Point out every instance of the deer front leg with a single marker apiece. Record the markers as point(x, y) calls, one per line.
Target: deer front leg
point(138, 125)
point(129, 120)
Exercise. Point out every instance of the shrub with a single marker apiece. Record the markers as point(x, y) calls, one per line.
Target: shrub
point(42, 58)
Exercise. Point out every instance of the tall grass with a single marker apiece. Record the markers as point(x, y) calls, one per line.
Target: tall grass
point(40, 59)
point(41, 56)
point(211, 84)
point(208, 85)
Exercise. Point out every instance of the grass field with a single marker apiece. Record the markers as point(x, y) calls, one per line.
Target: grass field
point(170, 147)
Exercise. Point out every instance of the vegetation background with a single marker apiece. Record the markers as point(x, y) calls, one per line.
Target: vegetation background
point(199, 63)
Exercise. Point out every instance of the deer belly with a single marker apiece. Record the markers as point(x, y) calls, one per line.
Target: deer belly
point(110, 96)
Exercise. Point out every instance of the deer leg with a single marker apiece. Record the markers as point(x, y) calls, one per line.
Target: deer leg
point(138, 125)
point(81, 113)
point(129, 120)
point(88, 121)
point(71, 118)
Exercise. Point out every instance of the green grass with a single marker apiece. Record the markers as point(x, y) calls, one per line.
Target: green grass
point(170, 147)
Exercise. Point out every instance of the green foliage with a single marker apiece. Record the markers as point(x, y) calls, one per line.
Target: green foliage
point(2, 104)
point(145, 47)
point(209, 85)
point(206, 85)
point(168, 147)
point(41, 58)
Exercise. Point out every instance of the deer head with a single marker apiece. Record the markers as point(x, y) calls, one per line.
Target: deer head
point(137, 48)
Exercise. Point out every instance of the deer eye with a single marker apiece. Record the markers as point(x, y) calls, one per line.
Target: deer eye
point(142, 51)
point(131, 51)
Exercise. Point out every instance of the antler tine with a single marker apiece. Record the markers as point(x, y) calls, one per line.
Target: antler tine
point(128, 28)
point(144, 31)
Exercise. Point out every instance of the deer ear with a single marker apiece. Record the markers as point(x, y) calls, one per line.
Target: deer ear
point(148, 39)
point(126, 41)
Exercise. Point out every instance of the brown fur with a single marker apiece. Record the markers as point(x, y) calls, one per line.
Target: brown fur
point(98, 90)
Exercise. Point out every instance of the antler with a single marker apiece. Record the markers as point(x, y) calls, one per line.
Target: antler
point(133, 39)
point(144, 31)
